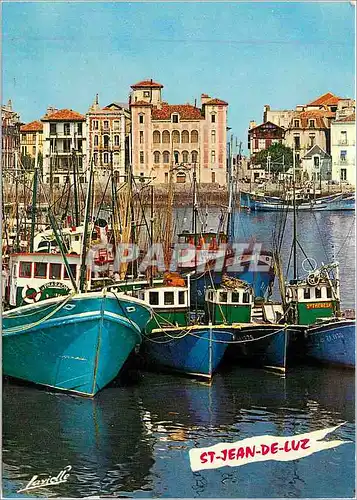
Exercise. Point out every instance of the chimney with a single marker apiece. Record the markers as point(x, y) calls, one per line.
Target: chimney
point(50, 110)
point(204, 98)
point(265, 114)
point(252, 124)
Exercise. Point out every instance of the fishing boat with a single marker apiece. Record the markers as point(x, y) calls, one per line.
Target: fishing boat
point(314, 303)
point(254, 341)
point(305, 202)
point(175, 339)
point(71, 341)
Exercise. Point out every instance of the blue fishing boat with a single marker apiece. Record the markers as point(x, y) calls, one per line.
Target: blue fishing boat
point(76, 343)
point(172, 340)
point(264, 203)
point(194, 350)
point(332, 342)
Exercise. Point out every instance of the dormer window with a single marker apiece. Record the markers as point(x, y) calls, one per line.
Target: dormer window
point(297, 123)
point(312, 123)
point(175, 118)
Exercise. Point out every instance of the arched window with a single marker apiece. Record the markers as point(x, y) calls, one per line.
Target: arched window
point(185, 137)
point(176, 136)
point(156, 137)
point(213, 156)
point(194, 136)
point(95, 140)
point(166, 157)
point(213, 136)
point(166, 137)
point(177, 156)
point(213, 118)
point(156, 156)
point(116, 140)
point(106, 141)
point(185, 156)
point(194, 156)
point(106, 158)
point(116, 159)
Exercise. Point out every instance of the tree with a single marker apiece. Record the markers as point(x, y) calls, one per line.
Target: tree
point(278, 152)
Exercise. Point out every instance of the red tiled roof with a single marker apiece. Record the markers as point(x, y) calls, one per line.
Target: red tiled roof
point(147, 83)
point(324, 99)
point(318, 116)
point(349, 118)
point(35, 126)
point(217, 101)
point(64, 115)
point(186, 112)
point(140, 103)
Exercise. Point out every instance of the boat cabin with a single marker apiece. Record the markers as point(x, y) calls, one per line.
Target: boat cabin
point(209, 240)
point(37, 276)
point(170, 304)
point(227, 306)
point(313, 298)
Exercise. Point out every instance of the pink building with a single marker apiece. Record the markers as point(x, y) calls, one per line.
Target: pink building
point(177, 137)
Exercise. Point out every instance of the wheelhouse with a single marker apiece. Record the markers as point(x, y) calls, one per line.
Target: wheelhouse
point(37, 276)
point(230, 305)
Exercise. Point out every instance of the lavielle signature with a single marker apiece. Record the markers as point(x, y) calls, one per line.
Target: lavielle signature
point(35, 483)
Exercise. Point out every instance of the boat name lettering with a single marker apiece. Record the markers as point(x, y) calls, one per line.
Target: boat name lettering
point(36, 483)
point(55, 284)
point(334, 336)
point(319, 305)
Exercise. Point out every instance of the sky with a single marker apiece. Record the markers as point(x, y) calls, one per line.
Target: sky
point(248, 53)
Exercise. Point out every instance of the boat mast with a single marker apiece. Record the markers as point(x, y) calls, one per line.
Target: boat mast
point(34, 202)
point(83, 268)
point(294, 220)
point(17, 247)
point(230, 191)
point(75, 188)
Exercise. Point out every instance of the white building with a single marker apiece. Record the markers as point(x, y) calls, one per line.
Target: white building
point(316, 165)
point(64, 145)
point(343, 149)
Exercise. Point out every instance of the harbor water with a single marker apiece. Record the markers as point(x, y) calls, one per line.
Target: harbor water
point(133, 439)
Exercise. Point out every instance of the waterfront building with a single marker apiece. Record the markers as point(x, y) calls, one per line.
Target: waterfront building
point(310, 124)
point(343, 149)
point(10, 140)
point(64, 145)
point(263, 136)
point(177, 138)
point(31, 139)
point(316, 165)
point(108, 131)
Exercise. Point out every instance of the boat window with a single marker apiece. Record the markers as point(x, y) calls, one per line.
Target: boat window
point(25, 269)
point(169, 298)
point(154, 298)
point(306, 293)
point(223, 297)
point(14, 271)
point(73, 268)
point(181, 297)
point(55, 271)
point(235, 297)
point(246, 298)
point(40, 270)
point(318, 293)
point(329, 292)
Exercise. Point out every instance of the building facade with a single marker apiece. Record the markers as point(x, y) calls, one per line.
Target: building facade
point(174, 139)
point(263, 136)
point(64, 145)
point(31, 139)
point(310, 124)
point(316, 165)
point(10, 139)
point(343, 149)
point(108, 131)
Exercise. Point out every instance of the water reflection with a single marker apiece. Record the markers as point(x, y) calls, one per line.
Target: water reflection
point(104, 440)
